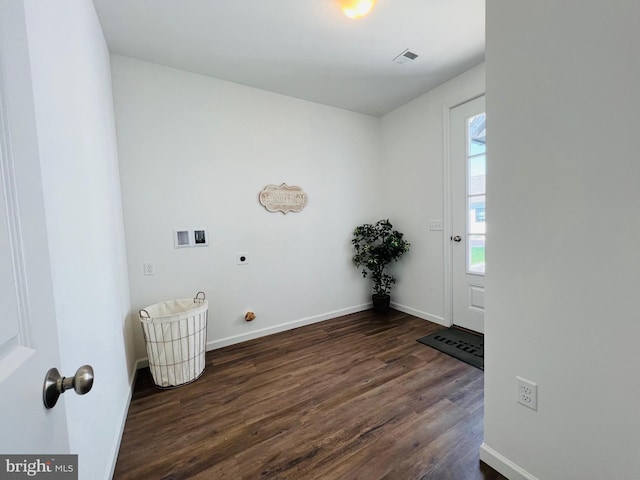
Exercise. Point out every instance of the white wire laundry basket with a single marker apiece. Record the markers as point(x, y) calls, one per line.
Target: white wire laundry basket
point(175, 334)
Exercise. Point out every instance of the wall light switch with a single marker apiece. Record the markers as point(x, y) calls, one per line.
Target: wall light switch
point(242, 258)
point(436, 225)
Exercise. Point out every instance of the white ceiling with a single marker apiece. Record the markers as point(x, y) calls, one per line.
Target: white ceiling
point(305, 48)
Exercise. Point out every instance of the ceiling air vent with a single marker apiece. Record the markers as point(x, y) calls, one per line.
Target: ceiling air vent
point(406, 57)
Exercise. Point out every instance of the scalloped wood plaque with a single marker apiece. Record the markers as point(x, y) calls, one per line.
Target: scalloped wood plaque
point(283, 198)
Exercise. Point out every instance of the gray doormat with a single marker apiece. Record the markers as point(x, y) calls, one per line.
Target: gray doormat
point(460, 344)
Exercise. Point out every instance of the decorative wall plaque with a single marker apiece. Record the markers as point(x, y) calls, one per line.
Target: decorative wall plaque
point(283, 198)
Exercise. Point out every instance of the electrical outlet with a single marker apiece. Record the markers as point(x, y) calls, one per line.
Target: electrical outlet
point(527, 393)
point(149, 268)
point(242, 258)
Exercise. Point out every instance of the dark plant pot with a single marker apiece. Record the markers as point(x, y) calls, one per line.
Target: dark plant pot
point(380, 303)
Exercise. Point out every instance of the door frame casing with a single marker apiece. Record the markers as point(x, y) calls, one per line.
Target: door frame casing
point(447, 203)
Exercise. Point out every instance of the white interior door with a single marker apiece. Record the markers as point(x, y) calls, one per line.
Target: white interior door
point(468, 227)
point(28, 330)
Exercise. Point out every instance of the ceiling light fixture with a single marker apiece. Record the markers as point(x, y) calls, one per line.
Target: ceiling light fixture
point(356, 9)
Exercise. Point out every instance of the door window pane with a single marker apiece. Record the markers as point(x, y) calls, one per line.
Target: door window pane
point(476, 253)
point(477, 135)
point(476, 189)
point(476, 215)
point(477, 175)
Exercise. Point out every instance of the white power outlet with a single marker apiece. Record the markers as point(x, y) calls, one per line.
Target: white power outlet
point(527, 393)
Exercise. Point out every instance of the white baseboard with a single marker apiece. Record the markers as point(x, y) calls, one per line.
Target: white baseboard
point(142, 363)
point(503, 465)
point(232, 340)
point(125, 411)
point(420, 314)
point(224, 342)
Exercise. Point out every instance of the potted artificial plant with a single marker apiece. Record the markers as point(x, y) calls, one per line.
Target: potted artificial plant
point(376, 246)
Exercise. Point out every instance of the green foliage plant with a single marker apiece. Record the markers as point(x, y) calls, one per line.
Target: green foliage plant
point(376, 246)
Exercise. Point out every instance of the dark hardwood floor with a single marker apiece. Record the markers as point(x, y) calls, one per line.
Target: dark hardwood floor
point(355, 397)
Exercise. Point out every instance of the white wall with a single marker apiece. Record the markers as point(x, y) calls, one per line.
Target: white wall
point(77, 147)
point(562, 251)
point(195, 152)
point(413, 174)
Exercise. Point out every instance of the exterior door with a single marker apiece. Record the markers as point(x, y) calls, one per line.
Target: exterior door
point(468, 227)
point(28, 330)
